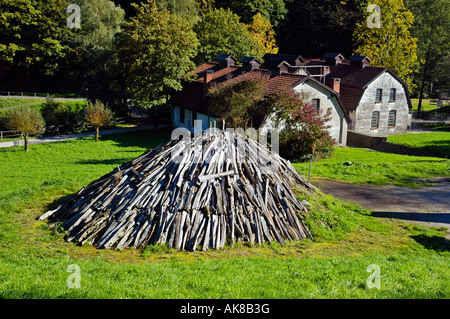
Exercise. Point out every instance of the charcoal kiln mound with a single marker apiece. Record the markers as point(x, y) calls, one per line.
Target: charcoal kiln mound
point(203, 192)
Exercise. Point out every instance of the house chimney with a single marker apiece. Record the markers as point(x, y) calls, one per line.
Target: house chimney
point(325, 69)
point(208, 76)
point(336, 84)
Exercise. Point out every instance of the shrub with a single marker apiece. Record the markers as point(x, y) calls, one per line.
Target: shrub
point(25, 120)
point(98, 115)
point(62, 118)
point(302, 130)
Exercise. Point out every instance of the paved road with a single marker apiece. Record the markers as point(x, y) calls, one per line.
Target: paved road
point(428, 205)
point(52, 139)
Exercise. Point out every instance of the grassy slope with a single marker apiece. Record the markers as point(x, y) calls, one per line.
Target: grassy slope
point(34, 260)
point(438, 142)
point(356, 165)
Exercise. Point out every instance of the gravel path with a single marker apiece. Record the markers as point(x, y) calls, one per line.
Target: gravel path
point(60, 138)
point(428, 205)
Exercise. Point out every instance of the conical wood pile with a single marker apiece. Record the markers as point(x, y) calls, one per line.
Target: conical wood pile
point(209, 191)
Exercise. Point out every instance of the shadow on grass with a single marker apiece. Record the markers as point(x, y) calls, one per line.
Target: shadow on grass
point(112, 161)
point(420, 217)
point(146, 139)
point(436, 243)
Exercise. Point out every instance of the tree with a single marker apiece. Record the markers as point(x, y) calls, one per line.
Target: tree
point(25, 120)
point(220, 31)
point(391, 45)
point(431, 27)
point(156, 49)
point(186, 9)
point(238, 100)
point(273, 10)
point(93, 61)
point(302, 130)
point(264, 35)
point(98, 115)
point(315, 27)
point(33, 35)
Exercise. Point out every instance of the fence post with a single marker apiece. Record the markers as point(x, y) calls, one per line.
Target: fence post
point(9, 93)
point(1, 133)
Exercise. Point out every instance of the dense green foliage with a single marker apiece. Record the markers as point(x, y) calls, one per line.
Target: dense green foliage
point(38, 52)
point(220, 31)
point(431, 27)
point(156, 49)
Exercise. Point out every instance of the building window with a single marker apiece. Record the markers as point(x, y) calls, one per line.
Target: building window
point(181, 115)
point(374, 123)
point(392, 95)
point(378, 95)
point(392, 118)
point(316, 104)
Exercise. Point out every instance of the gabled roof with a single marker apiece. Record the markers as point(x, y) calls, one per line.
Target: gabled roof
point(333, 56)
point(355, 77)
point(289, 58)
point(360, 58)
point(358, 79)
point(224, 56)
point(248, 59)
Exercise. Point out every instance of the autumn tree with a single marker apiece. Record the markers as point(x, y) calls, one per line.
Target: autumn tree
point(302, 130)
point(156, 49)
point(391, 45)
point(98, 115)
point(26, 121)
point(220, 31)
point(262, 32)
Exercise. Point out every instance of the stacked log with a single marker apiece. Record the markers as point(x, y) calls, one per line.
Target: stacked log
point(209, 191)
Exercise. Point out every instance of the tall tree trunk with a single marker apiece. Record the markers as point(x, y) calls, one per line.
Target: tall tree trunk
point(423, 80)
point(96, 133)
point(25, 136)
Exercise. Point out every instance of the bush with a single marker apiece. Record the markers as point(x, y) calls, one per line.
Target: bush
point(25, 120)
point(62, 118)
point(302, 129)
point(98, 115)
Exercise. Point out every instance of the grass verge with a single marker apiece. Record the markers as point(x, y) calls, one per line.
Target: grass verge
point(355, 165)
point(437, 142)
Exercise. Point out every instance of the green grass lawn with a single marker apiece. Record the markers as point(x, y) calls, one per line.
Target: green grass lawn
point(438, 142)
point(11, 102)
point(413, 260)
point(356, 165)
point(426, 105)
